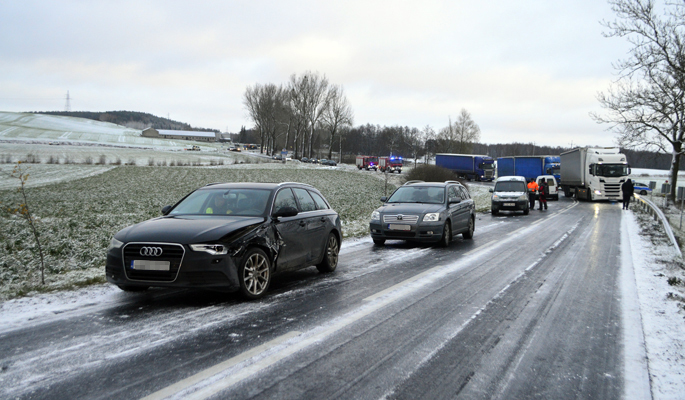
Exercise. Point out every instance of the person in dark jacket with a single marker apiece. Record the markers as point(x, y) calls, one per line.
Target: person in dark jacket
point(543, 191)
point(627, 188)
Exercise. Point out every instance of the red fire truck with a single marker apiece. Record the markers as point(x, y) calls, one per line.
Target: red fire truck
point(367, 162)
point(390, 164)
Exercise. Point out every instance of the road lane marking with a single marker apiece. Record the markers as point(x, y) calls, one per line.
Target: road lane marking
point(401, 284)
point(480, 247)
point(209, 372)
point(220, 377)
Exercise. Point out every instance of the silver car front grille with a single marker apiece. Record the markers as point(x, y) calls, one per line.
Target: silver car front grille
point(407, 219)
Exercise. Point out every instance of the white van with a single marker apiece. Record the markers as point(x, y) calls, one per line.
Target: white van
point(552, 184)
point(510, 194)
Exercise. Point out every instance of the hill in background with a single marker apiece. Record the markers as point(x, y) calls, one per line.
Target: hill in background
point(129, 119)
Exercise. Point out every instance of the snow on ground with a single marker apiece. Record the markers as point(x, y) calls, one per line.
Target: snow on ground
point(652, 260)
point(662, 320)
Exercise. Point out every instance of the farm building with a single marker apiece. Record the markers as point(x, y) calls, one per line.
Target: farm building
point(182, 135)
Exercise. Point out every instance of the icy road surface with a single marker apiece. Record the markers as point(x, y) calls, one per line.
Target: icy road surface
point(537, 306)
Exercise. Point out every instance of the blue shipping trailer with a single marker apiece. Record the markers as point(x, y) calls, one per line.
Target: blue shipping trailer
point(529, 167)
point(468, 166)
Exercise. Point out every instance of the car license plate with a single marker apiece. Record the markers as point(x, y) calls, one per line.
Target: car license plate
point(150, 265)
point(509, 204)
point(397, 227)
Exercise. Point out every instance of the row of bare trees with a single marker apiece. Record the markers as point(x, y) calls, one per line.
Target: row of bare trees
point(646, 104)
point(291, 114)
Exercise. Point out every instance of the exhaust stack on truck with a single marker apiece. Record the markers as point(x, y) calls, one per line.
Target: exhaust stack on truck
point(594, 173)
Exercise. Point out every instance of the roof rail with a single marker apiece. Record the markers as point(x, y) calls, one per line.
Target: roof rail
point(453, 182)
point(214, 183)
point(413, 182)
point(296, 183)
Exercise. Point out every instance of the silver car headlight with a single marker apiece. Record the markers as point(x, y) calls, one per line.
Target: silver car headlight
point(431, 217)
point(375, 216)
point(523, 197)
point(115, 244)
point(213, 249)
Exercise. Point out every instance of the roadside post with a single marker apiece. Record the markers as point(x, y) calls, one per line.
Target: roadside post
point(665, 190)
point(681, 196)
point(284, 154)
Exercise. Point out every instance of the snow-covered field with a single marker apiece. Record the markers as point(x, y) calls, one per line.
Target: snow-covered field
point(78, 214)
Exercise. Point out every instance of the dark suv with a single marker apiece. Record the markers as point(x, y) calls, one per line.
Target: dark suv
point(425, 212)
point(230, 236)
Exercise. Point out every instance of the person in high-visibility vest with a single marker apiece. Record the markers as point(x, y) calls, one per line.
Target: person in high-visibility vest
point(219, 205)
point(532, 188)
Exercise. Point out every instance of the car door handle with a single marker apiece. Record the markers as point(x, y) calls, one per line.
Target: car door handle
point(323, 219)
point(302, 223)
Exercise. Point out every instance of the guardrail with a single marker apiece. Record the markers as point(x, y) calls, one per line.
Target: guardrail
point(654, 210)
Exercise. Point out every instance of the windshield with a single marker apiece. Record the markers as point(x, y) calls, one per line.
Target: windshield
point(234, 202)
point(418, 194)
point(510, 186)
point(487, 166)
point(555, 170)
point(611, 170)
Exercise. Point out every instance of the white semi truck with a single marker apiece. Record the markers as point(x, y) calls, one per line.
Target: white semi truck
point(594, 173)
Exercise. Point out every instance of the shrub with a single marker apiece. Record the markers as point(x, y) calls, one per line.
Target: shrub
point(102, 160)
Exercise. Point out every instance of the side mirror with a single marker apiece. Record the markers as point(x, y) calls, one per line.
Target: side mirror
point(285, 212)
point(455, 201)
point(384, 199)
point(166, 209)
point(491, 190)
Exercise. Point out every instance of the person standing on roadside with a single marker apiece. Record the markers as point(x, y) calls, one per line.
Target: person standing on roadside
point(627, 188)
point(542, 193)
point(532, 188)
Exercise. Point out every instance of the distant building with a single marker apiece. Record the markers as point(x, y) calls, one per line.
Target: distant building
point(182, 135)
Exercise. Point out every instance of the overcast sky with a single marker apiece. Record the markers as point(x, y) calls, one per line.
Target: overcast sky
point(527, 71)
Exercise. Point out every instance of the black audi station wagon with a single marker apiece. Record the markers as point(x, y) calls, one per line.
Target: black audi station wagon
point(425, 212)
point(229, 236)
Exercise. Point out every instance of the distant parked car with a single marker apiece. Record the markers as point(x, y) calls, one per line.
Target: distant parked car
point(641, 188)
point(229, 236)
point(330, 163)
point(425, 212)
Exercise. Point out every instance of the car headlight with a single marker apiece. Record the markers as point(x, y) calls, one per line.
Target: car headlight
point(431, 217)
point(375, 216)
point(495, 197)
point(115, 244)
point(213, 249)
point(523, 198)
point(598, 192)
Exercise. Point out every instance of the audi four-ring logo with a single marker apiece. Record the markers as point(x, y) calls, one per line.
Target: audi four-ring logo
point(151, 251)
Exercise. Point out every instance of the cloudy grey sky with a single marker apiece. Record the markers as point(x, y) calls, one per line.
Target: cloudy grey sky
point(527, 71)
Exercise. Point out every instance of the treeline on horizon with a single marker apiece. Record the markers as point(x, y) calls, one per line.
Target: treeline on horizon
point(370, 139)
point(407, 142)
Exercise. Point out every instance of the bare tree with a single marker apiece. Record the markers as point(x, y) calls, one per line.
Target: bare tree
point(646, 105)
point(312, 99)
point(23, 211)
point(460, 136)
point(337, 115)
point(429, 142)
point(266, 107)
